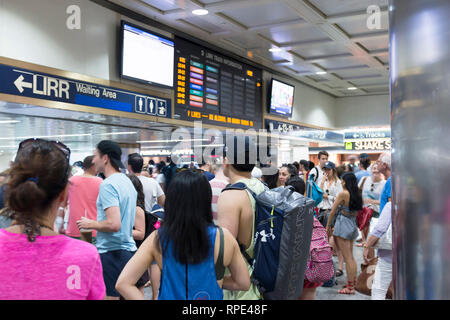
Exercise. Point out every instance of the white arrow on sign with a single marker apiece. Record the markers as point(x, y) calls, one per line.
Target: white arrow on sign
point(20, 84)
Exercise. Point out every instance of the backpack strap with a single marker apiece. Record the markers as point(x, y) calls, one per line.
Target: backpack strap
point(240, 186)
point(220, 268)
point(245, 254)
point(236, 186)
point(362, 184)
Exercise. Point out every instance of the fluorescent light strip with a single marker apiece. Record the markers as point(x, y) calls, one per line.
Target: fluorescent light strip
point(55, 136)
point(116, 133)
point(154, 147)
point(8, 121)
point(161, 141)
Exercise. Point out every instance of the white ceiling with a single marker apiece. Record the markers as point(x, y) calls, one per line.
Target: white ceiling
point(314, 35)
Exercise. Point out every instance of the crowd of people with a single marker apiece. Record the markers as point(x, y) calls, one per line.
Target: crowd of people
point(347, 189)
point(94, 235)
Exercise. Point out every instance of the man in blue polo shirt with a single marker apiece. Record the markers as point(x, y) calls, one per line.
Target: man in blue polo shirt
point(116, 211)
point(384, 166)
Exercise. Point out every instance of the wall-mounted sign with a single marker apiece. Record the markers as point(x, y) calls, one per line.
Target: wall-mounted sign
point(368, 144)
point(31, 84)
point(298, 131)
point(215, 88)
point(367, 134)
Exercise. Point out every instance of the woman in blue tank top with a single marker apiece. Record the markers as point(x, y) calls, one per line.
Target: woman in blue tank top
point(190, 250)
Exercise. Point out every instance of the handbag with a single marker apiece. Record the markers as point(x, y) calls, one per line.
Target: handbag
point(365, 279)
point(363, 217)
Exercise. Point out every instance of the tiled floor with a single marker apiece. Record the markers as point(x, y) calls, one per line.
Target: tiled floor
point(323, 293)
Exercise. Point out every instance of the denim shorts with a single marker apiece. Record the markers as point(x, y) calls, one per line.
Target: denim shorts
point(345, 227)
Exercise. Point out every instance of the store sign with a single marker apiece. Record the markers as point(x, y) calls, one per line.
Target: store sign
point(31, 84)
point(292, 130)
point(368, 144)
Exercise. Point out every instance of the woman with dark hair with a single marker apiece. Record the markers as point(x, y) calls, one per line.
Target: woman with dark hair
point(286, 171)
point(304, 169)
point(36, 263)
point(271, 180)
point(345, 231)
point(140, 226)
point(298, 184)
point(189, 249)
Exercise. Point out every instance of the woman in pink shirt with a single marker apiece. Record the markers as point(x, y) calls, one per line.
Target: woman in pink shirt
point(36, 263)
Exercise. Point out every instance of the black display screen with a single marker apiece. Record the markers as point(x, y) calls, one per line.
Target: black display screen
point(215, 88)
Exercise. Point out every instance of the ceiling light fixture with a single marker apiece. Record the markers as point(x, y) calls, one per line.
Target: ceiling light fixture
point(200, 12)
point(321, 72)
point(275, 49)
point(55, 136)
point(352, 88)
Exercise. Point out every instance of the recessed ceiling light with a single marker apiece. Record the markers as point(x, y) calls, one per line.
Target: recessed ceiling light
point(321, 72)
point(275, 49)
point(352, 88)
point(200, 12)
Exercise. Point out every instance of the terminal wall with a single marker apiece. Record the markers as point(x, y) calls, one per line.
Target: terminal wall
point(310, 105)
point(37, 32)
point(362, 111)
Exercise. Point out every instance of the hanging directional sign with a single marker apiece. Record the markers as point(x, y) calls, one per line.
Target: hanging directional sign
point(27, 83)
point(298, 131)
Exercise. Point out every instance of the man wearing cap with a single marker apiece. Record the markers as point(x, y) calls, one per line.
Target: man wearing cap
point(116, 210)
point(364, 164)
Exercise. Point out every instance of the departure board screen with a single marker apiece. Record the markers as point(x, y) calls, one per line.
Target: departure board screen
point(146, 56)
point(216, 89)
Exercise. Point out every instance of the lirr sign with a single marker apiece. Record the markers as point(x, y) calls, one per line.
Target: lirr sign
point(38, 85)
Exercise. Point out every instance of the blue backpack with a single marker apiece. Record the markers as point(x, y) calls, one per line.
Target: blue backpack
point(313, 191)
point(283, 231)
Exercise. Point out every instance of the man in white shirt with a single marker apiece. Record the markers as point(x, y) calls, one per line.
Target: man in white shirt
point(317, 171)
point(152, 190)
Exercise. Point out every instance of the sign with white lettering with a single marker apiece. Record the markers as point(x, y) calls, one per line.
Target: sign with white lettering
point(368, 144)
point(298, 131)
point(367, 134)
point(26, 83)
